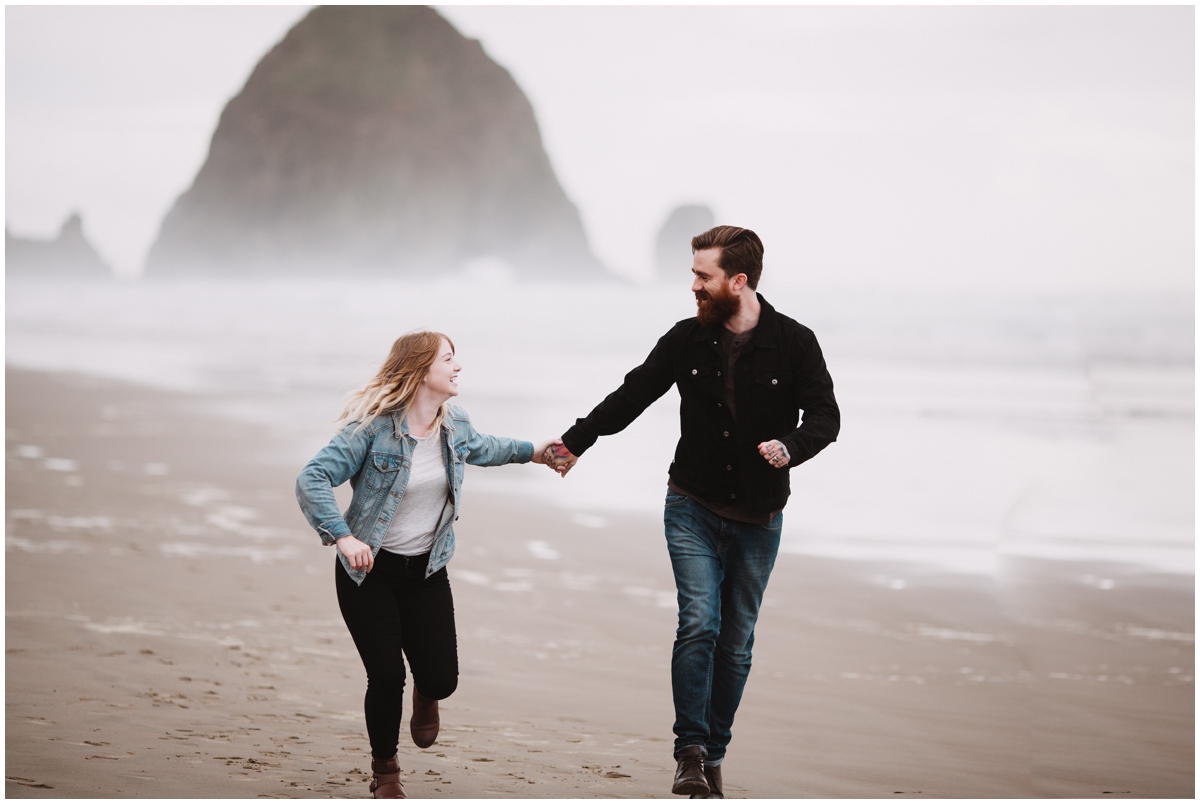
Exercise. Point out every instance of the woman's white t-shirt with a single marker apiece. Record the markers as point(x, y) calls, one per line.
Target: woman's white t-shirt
point(412, 529)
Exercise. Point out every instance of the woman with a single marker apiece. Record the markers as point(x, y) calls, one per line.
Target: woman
point(403, 450)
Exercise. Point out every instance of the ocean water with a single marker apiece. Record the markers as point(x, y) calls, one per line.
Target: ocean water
point(974, 427)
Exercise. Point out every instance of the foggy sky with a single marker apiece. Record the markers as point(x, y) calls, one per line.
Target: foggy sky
point(968, 148)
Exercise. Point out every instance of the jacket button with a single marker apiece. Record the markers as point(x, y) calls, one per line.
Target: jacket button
point(718, 404)
point(733, 496)
point(693, 372)
point(774, 382)
point(718, 374)
point(726, 434)
point(729, 468)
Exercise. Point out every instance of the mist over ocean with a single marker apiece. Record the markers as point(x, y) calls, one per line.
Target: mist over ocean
point(974, 427)
point(1037, 160)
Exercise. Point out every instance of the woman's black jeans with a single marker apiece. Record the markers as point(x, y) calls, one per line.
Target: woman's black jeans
point(397, 609)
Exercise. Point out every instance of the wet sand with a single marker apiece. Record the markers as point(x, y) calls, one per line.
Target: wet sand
point(172, 631)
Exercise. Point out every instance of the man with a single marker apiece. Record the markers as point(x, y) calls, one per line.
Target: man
point(744, 373)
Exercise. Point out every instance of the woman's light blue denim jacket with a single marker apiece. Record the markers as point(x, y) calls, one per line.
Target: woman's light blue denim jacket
point(376, 459)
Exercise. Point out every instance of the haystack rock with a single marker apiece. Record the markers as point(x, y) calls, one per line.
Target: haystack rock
point(673, 248)
point(69, 255)
point(374, 139)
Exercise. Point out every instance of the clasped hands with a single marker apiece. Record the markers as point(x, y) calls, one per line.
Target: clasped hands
point(555, 455)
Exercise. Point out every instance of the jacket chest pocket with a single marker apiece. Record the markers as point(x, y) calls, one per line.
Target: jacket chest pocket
point(458, 463)
point(697, 376)
point(774, 390)
point(381, 470)
point(773, 379)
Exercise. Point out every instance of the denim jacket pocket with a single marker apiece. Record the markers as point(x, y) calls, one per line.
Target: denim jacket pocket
point(381, 470)
point(458, 465)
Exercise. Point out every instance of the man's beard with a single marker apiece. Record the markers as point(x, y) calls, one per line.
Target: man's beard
point(716, 308)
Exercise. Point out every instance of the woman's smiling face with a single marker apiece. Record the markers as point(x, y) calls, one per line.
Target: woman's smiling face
point(442, 376)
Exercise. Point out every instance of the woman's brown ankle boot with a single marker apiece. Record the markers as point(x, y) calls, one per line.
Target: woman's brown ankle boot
point(424, 722)
point(386, 783)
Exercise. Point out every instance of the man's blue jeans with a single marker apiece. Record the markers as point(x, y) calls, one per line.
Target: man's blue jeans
point(721, 570)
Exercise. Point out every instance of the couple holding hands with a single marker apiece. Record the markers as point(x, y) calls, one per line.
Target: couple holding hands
point(744, 372)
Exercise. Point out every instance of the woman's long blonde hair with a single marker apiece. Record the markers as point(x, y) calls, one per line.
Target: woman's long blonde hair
point(394, 387)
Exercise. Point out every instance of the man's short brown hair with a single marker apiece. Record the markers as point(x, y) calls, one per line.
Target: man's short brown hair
point(741, 251)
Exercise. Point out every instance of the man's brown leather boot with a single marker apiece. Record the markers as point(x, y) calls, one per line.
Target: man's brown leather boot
point(424, 723)
point(715, 788)
point(386, 783)
point(689, 775)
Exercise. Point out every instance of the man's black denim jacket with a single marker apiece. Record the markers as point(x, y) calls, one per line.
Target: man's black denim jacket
point(780, 374)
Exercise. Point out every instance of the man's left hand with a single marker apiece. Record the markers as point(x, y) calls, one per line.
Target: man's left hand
point(564, 459)
point(775, 453)
point(554, 454)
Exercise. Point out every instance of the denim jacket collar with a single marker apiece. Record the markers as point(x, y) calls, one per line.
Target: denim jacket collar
point(400, 422)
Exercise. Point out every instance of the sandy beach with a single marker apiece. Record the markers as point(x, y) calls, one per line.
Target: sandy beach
point(172, 631)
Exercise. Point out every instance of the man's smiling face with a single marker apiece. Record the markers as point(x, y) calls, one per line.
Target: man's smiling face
point(716, 299)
